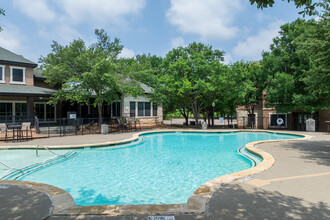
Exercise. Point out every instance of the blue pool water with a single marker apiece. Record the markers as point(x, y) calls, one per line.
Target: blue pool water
point(164, 168)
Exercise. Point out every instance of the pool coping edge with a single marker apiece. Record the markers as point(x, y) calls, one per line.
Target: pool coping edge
point(63, 203)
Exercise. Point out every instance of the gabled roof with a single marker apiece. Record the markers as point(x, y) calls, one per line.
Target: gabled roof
point(14, 90)
point(147, 89)
point(9, 57)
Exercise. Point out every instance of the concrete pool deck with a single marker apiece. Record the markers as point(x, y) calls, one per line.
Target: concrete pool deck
point(296, 187)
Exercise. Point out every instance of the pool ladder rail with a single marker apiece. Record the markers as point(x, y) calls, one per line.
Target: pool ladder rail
point(6, 165)
point(46, 149)
point(18, 173)
point(11, 168)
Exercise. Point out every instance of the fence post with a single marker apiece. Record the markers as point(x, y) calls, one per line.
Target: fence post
point(75, 126)
point(63, 127)
point(48, 130)
point(60, 127)
point(82, 126)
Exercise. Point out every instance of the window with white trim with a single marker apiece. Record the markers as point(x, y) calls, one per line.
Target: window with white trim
point(154, 109)
point(2, 74)
point(278, 120)
point(144, 109)
point(132, 109)
point(12, 110)
point(44, 111)
point(17, 75)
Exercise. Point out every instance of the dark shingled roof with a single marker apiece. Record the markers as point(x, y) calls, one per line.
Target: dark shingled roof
point(9, 57)
point(37, 73)
point(13, 90)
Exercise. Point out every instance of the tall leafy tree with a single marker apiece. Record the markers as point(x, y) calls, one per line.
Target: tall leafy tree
point(187, 72)
point(308, 5)
point(145, 68)
point(88, 74)
point(245, 83)
point(315, 44)
point(297, 70)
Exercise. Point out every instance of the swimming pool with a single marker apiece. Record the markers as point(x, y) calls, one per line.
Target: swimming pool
point(160, 168)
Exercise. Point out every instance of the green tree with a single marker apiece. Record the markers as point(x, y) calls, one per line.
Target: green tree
point(315, 44)
point(187, 72)
point(88, 74)
point(246, 84)
point(145, 68)
point(309, 6)
point(297, 67)
point(2, 12)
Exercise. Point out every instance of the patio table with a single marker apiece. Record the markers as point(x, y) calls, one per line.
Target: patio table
point(16, 128)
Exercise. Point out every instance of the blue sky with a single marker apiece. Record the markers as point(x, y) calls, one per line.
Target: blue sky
point(144, 26)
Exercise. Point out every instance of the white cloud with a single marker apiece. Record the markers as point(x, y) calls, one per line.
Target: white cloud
point(126, 53)
point(176, 42)
point(11, 38)
point(59, 19)
point(228, 59)
point(208, 18)
point(261, 16)
point(252, 47)
point(101, 11)
point(39, 10)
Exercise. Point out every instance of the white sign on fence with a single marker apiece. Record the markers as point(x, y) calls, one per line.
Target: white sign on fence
point(310, 125)
point(221, 120)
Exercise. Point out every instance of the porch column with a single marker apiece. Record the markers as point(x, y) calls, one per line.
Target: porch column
point(28, 107)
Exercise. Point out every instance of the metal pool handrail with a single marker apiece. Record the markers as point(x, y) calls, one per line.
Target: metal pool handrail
point(6, 165)
point(46, 149)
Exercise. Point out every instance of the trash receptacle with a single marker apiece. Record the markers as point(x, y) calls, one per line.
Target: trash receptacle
point(104, 129)
point(204, 125)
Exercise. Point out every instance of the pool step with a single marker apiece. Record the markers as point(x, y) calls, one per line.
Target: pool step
point(255, 160)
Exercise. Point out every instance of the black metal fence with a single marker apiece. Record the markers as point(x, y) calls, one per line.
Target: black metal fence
point(78, 126)
point(66, 127)
point(81, 126)
point(275, 122)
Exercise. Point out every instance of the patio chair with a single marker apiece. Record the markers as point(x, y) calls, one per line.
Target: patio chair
point(137, 124)
point(26, 128)
point(131, 124)
point(115, 125)
point(123, 124)
point(3, 131)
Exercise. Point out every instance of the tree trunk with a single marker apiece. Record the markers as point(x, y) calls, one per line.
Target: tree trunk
point(196, 111)
point(186, 119)
point(99, 109)
point(185, 115)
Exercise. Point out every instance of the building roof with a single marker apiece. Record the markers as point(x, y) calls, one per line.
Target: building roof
point(9, 57)
point(147, 89)
point(14, 90)
point(37, 74)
